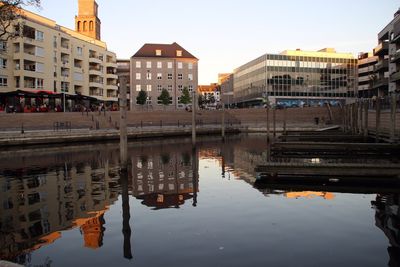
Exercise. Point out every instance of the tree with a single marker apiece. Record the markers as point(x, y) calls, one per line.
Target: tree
point(9, 12)
point(185, 98)
point(141, 98)
point(164, 97)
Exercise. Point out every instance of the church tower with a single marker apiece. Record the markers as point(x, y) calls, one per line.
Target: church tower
point(87, 22)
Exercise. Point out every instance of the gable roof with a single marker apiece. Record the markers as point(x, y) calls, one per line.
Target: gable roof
point(167, 51)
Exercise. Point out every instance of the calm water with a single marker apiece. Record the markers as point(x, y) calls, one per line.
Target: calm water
point(69, 206)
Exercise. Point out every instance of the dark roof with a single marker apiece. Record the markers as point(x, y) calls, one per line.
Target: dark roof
point(167, 51)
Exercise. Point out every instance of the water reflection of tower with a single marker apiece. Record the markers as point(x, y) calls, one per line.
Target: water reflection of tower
point(387, 218)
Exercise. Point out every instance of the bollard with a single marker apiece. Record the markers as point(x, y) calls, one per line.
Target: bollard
point(109, 119)
point(22, 129)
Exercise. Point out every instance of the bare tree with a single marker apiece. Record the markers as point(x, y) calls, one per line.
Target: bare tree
point(9, 12)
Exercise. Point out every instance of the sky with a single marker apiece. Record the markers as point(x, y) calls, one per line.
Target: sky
point(225, 34)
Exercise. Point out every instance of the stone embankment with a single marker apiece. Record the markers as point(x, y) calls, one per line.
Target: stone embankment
point(58, 128)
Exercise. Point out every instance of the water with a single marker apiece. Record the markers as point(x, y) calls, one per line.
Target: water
point(68, 206)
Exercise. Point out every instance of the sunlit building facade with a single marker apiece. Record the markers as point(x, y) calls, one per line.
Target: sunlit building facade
point(297, 78)
point(366, 76)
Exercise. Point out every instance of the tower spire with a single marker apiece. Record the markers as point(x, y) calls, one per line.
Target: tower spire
point(87, 22)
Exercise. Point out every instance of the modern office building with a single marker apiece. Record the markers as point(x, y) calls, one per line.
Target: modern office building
point(297, 78)
point(366, 76)
point(162, 66)
point(47, 56)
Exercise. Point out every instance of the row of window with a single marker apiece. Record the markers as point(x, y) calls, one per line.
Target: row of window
point(149, 100)
point(160, 76)
point(138, 65)
point(148, 88)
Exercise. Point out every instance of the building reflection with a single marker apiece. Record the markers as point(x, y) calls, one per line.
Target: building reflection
point(166, 177)
point(387, 218)
point(37, 207)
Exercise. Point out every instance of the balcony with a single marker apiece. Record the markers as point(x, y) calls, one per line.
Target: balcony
point(111, 64)
point(96, 60)
point(382, 65)
point(112, 76)
point(395, 57)
point(112, 87)
point(381, 49)
point(395, 77)
point(396, 39)
point(95, 72)
point(381, 82)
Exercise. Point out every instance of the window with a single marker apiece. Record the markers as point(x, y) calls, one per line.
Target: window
point(39, 36)
point(138, 88)
point(148, 64)
point(3, 46)
point(138, 64)
point(159, 76)
point(169, 65)
point(180, 88)
point(178, 53)
point(79, 51)
point(39, 51)
point(3, 81)
point(78, 76)
point(190, 66)
point(159, 65)
point(3, 63)
point(55, 56)
point(148, 76)
point(169, 87)
point(190, 88)
point(158, 52)
point(190, 77)
point(180, 76)
point(148, 88)
point(180, 65)
point(39, 67)
point(138, 76)
point(159, 87)
point(169, 76)
point(39, 83)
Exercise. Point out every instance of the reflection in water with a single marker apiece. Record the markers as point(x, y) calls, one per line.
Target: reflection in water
point(387, 218)
point(75, 187)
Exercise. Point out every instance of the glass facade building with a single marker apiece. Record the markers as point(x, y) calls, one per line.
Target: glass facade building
point(296, 78)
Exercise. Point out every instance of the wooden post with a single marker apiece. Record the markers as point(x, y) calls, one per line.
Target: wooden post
point(194, 110)
point(344, 113)
point(355, 119)
point(223, 122)
point(378, 118)
point(267, 123)
point(284, 120)
point(393, 118)
point(122, 125)
point(366, 107)
point(360, 117)
point(274, 121)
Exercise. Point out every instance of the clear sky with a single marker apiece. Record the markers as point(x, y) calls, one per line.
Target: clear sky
point(225, 34)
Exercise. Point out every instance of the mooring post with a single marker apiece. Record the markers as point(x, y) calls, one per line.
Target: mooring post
point(267, 123)
point(378, 118)
point(366, 107)
point(223, 122)
point(393, 117)
point(194, 110)
point(274, 120)
point(355, 114)
point(284, 120)
point(122, 125)
point(344, 117)
point(360, 120)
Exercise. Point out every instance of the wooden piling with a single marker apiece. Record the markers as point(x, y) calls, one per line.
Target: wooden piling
point(223, 122)
point(268, 123)
point(366, 106)
point(122, 125)
point(194, 110)
point(284, 120)
point(274, 121)
point(378, 118)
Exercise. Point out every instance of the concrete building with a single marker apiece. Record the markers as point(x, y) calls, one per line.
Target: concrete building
point(366, 77)
point(296, 78)
point(394, 51)
point(47, 56)
point(155, 67)
point(123, 70)
point(225, 80)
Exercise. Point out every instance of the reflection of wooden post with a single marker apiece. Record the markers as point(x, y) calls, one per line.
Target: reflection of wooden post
point(378, 118)
point(126, 228)
point(122, 126)
point(223, 122)
point(366, 106)
point(267, 123)
point(284, 120)
point(194, 110)
point(393, 118)
point(274, 121)
point(195, 170)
